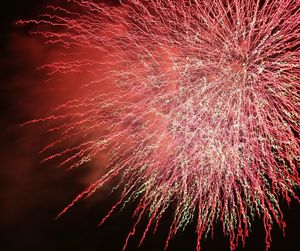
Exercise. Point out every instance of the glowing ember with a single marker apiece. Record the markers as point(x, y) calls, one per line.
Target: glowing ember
point(193, 103)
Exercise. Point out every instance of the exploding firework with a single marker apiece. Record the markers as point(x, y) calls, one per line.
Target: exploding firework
point(194, 104)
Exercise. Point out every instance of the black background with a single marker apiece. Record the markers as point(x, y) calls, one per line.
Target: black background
point(32, 195)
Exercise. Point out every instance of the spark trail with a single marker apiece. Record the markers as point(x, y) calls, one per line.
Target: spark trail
point(194, 103)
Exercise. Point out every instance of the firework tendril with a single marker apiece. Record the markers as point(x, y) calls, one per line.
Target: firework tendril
point(194, 103)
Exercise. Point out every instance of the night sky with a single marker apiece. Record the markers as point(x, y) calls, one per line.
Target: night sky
point(32, 194)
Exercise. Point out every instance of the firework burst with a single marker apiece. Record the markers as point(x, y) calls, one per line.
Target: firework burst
point(194, 104)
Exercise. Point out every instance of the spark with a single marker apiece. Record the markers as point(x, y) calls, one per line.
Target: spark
point(195, 103)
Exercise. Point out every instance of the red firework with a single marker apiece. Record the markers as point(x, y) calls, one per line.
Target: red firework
point(191, 103)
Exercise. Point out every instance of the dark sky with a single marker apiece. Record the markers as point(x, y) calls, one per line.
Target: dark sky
point(32, 194)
